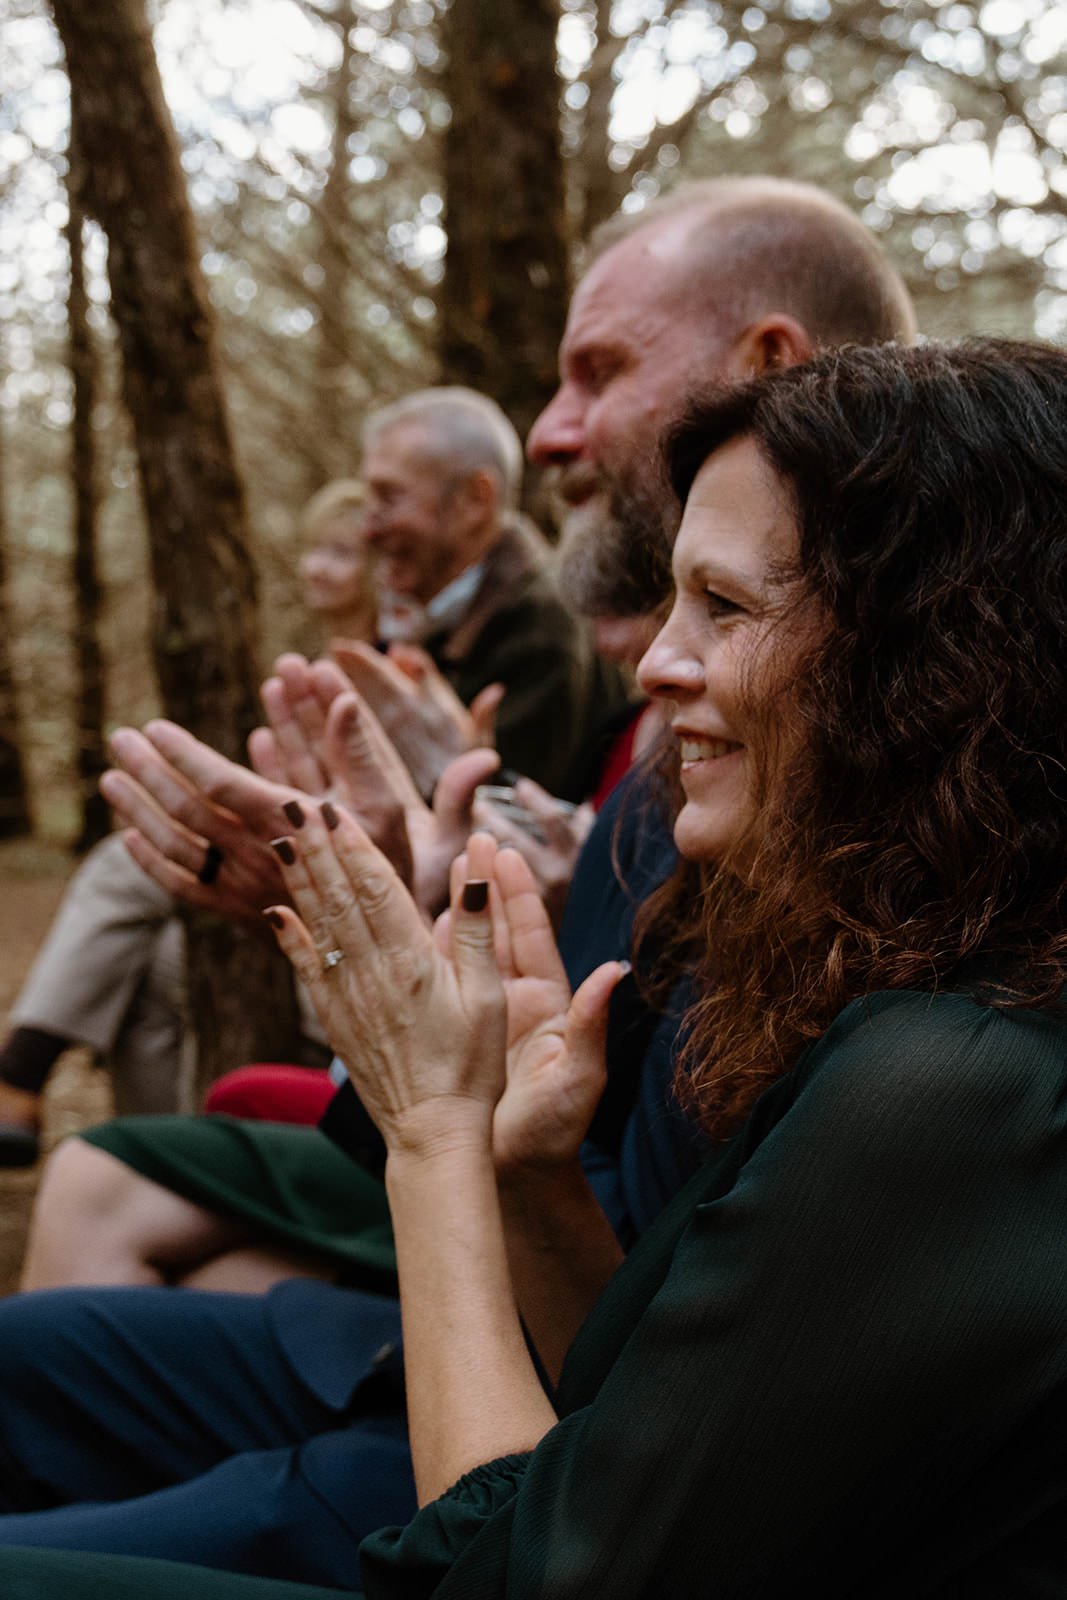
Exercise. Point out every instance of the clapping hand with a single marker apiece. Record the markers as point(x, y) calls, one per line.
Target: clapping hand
point(324, 739)
point(198, 822)
point(420, 1020)
point(552, 852)
point(417, 708)
point(422, 1032)
point(358, 767)
point(457, 1066)
point(477, 722)
point(555, 1050)
point(292, 747)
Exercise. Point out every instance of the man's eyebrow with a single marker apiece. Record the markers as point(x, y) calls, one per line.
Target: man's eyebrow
point(595, 349)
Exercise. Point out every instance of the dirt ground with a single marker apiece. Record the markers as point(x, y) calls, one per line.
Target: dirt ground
point(32, 877)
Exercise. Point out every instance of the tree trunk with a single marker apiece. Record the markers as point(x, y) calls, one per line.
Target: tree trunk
point(336, 448)
point(15, 821)
point(504, 296)
point(128, 175)
point(600, 188)
point(95, 819)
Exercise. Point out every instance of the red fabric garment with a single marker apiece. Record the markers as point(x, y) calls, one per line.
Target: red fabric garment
point(272, 1091)
point(618, 760)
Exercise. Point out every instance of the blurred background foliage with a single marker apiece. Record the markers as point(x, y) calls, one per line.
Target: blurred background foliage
point(312, 135)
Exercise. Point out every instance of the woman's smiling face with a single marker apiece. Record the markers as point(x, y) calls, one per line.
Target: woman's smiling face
point(727, 650)
point(335, 566)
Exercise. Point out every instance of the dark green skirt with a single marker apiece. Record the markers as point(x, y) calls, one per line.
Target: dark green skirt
point(290, 1182)
point(73, 1575)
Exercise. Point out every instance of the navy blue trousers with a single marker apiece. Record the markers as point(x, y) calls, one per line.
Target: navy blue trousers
point(172, 1423)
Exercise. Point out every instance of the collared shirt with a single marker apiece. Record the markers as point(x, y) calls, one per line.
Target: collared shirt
point(400, 617)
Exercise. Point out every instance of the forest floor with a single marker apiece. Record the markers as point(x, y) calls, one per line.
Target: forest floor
point(32, 879)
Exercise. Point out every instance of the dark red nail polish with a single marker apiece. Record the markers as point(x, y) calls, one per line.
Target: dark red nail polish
point(274, 919)
point(283, 848)
point(475, 894)
point(294, 811)
point(329, 815)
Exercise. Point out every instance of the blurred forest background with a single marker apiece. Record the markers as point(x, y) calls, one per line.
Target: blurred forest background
point(367, 222)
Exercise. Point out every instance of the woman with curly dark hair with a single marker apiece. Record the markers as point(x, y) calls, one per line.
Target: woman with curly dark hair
point(912, 833)
point(837, 1363)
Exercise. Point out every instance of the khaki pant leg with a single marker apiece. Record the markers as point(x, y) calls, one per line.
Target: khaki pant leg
point(96, 954)
point(153, 1059)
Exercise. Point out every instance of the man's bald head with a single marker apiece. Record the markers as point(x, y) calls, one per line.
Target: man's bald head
point(715, 281)
point(740, 248)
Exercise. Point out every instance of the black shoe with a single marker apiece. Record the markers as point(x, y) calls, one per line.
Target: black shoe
point(19, 1145)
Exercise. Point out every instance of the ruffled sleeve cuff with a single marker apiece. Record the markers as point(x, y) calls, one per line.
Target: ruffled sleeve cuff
point(409, 1563)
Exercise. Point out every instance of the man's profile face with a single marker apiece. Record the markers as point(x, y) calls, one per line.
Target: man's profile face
point(409, 514)
point(630, 352)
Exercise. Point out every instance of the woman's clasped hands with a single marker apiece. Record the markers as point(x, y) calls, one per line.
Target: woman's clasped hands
point(468, 1033)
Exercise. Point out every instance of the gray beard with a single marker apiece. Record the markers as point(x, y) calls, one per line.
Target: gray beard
point(622, 566)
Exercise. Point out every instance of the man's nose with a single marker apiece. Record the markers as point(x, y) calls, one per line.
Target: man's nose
point(558, 435)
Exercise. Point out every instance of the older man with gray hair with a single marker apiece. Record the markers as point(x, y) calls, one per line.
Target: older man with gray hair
point(466, 579)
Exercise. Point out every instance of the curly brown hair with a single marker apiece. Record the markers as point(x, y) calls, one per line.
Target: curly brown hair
point(918, 838)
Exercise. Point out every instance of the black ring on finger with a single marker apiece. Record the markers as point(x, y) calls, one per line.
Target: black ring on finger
point(212, 864)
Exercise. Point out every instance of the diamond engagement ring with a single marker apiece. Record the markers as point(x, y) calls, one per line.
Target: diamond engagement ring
point(332, 958)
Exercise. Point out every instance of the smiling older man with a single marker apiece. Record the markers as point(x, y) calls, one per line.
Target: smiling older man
point(469, 580)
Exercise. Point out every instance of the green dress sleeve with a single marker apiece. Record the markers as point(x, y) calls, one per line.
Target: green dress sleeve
point(845, 1369)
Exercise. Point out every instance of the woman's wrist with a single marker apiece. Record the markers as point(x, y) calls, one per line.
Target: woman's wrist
point(439, 1129)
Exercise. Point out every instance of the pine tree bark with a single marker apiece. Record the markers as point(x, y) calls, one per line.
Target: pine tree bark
point(600, 188)
point(504, 296)
point(127, 173)
point(95, 820)
point(337, 445)
point(15, 820)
